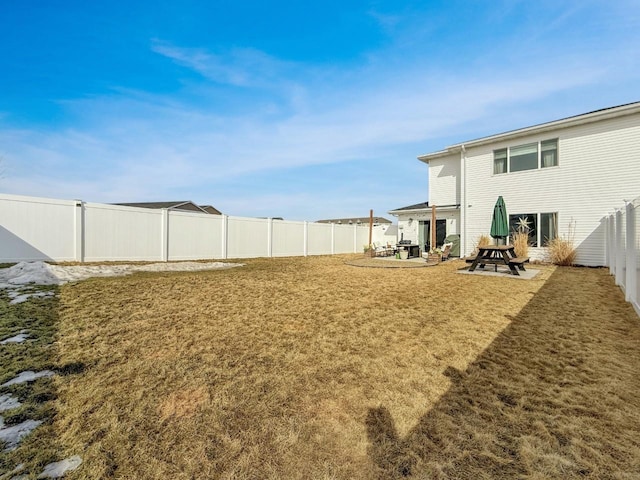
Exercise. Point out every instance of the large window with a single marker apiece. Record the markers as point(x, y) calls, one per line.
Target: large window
point(523, 157)
point(541, 227)
point(530, 156)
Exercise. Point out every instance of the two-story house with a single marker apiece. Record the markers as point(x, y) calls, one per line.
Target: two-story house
point(558, 179)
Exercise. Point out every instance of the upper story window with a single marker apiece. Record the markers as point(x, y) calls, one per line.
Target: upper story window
point(526, 157)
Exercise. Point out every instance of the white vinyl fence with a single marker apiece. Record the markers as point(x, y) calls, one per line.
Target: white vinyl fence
point(62, 230)
point(623, 250)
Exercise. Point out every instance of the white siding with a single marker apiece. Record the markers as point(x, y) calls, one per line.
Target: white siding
point(452, 216)
point(598, 169)
point(444, 181)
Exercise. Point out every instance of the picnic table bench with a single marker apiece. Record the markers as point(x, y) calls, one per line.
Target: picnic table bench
point(498, 255)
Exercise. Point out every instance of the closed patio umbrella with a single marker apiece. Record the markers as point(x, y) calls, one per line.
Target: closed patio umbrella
point(500, 221)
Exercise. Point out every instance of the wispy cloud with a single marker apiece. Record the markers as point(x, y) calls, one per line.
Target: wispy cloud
point(241, 67)
point(176, 145)
point(255, 116)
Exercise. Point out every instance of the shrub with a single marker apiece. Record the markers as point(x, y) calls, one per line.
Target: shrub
point(521, 244)
point(483, 240)
point(561, 251)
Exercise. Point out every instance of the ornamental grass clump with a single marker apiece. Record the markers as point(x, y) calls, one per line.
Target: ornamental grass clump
point(561, 250)
point(520, 237)
point(483, 240)
point(521, 244)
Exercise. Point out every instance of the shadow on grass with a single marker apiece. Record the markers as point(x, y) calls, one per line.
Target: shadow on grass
point(39, 318)
point(553, 396)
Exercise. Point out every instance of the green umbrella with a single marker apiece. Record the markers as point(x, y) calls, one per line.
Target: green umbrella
point(500, 221)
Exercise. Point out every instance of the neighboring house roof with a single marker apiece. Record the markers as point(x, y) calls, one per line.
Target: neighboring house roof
point(211, 210)
point(420, 207)
point(417, 206)
point(185, 205)
point(597, 115)
point(349, 221)
point(392, 231)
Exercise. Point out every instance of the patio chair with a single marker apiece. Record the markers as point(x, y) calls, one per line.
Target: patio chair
point(446, 249)
point(380, 249)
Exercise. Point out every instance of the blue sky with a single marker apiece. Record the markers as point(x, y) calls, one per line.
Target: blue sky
point(302, 110)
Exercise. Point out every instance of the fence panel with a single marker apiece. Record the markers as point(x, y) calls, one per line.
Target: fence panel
point(319, 239)
point(247, 237)
point(194, 236)
point(287, 238)
point(636, 297)
point(362, 239)
point(623, 250)
point(37, 229)
point(113, 232)
point(343, 238)
point(61, 230)
point(621, 270)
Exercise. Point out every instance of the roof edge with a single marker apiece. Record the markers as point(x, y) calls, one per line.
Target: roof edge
point(581, 119)
point(428, 209)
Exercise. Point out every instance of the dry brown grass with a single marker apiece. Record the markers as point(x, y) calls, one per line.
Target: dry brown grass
point(310, 368)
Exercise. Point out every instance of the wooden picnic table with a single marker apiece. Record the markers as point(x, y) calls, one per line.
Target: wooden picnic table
point(499, 255)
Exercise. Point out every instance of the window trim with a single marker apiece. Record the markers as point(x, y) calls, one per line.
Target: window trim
point(540, 242)
point(507, 160)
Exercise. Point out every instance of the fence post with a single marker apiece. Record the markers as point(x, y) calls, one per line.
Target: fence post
point(619, 250)
point(355, 238)
point(164, 232)
point(78, 225)
point(630, 257)
point(269, 237)
point(605, 222)
point(305, 236)
point(225, 236)
point(333, 239)
point(612, 243)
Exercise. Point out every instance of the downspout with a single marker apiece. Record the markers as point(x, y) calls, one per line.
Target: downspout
point(463, 200)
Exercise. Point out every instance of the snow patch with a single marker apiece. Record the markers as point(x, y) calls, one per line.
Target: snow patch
point(8, 402)
point(12, 435)
point(19, 338)
point(28, 376)
point(20, 296)
point(58, 469)
point(41, 273)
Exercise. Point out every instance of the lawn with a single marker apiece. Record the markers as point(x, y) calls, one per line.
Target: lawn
point(312, 368)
